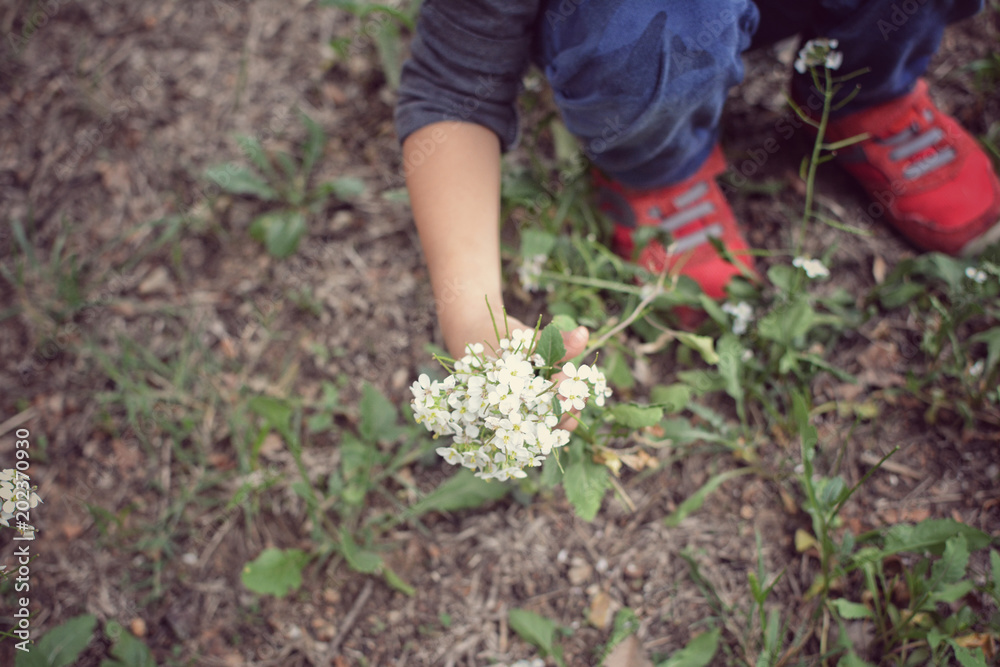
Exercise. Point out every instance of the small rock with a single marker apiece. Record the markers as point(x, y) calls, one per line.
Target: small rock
point(138, 627)
point(601, 610)
point(580, 571)
point(157, 281)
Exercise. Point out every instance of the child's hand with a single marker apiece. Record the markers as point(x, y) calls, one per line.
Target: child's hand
point(575, 342)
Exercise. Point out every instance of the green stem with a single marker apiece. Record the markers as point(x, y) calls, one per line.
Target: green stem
point(646, 300)
point(592, 282)
point(824, 120)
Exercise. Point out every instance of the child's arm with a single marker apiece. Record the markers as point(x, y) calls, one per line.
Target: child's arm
point(455, 196)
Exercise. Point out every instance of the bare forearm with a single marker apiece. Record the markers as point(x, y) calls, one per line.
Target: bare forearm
point(454, 183)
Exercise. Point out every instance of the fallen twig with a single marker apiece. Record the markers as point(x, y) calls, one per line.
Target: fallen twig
point(351, 617)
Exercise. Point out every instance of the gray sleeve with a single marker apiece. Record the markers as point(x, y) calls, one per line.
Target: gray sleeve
point(466, 63)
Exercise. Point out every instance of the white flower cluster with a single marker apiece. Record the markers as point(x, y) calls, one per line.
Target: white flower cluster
point(742, 313)
point(530, 273)
point(813, 267)
point(819, 53)
point(12, 491)
point(500, 413)
point(976, 275)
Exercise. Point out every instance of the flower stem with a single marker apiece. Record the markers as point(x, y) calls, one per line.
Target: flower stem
point(824, 120)
point(645, 301)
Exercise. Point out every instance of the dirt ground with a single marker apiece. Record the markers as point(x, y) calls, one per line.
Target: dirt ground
point(110, 114)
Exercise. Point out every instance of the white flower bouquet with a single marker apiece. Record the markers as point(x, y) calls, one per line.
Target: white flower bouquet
point(502, 407)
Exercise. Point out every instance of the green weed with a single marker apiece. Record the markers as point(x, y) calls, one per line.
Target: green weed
point(379, 24)
point(282, 180)
point(62, 646)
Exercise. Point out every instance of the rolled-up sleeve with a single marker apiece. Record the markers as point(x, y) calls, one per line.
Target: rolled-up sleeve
point(466, 63)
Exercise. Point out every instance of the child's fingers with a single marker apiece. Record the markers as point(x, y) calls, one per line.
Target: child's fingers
point(575, 342)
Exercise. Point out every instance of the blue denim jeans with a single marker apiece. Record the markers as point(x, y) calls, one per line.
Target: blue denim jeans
point(642, 83)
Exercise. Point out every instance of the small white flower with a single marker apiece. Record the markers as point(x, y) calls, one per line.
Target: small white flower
point(530, 273)
point(742, 313)
point(976, 275)
point(500, 415)
point(449, 454)
point(575, 393)
point(813, 267)
point(819, 53)
point(976, 370)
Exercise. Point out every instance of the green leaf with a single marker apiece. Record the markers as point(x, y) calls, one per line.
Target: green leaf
point(851, 611)
point(697, 499)
point(968, 658)
point(127, 649)
point(730, 361)
point(995, 569)
point(275, 411)
point(702, 381)
point(564, 323)
point(782, 276)
point(711, 306)
point(550, 345)
point(388, 45)
point(948, 269)
point(360, 560)
point(952, 565)
point(345, 187)
point(626, 623)
point(239, 180)
point(617, 370)
point(397, 582)
point(312, 148)
point(275, 571)
point(61, 645)
point(786, 323)
point(356, 460)
point(698, 653)
point(949, 593)
point(291, 171)
point(396, 196)
point(463, 490)
point(703, 345)
point(931, 536)
point(900, 294)
point(536, 242)
point(319, 422)
point(552, 473)
point(634, 416)
point(992, 339)
point(279, 231)
point(852, 660)
point(673, 397)
point(253, 149)
point(378, 416)
point(585, 483)
point(534, 629)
